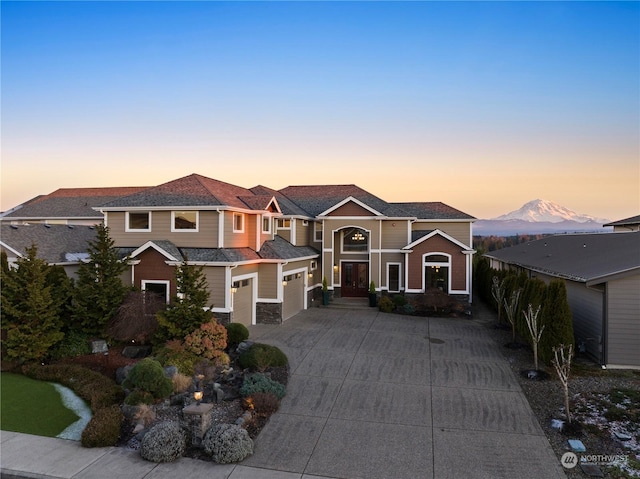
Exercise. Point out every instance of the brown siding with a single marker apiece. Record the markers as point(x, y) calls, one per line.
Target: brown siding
point(351, 209)
point(434, 244)
point(153, 266)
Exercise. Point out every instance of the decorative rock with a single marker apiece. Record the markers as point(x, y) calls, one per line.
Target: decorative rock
point(557, 424)
point(139, 428)
point(136, 352)
point(122, 373)
point(99, 346)
point(591, 470)
point(170, 371)
point(219, 393)
point(576, 445)
point(243, 346)
point(622, 436)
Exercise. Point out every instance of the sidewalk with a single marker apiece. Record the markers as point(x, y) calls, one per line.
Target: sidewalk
point(371, 395)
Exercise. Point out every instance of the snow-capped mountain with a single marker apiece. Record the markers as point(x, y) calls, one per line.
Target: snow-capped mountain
point(542, 210)
point(539, 216)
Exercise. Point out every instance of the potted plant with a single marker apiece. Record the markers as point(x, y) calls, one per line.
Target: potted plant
point(325, 292)
point(372, 294)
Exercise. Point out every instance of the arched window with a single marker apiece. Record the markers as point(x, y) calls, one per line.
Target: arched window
point(355, 240)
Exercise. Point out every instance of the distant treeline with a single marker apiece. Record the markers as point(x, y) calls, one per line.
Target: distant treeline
point(485, 244)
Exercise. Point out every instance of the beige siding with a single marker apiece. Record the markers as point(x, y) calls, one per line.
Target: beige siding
point(303, 235)
point(459, 231)
point(623, 302)
point(216, 280)
point(239, 240)
point(268, 285)
point(587, 310)
point(206, 237)
point(394, 234)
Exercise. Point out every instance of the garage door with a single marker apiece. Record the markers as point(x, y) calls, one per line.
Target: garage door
point(293, 295)
point(243, 302)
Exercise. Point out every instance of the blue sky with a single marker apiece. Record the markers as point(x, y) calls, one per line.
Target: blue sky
point(482, 105)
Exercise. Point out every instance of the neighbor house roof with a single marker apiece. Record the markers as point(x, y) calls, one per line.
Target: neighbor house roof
point(56, 244)
point(68, 203)
point(316, 199)
point(633, 221)
point(579, 257)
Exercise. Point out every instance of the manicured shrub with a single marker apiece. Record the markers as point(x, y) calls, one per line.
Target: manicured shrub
point(259, 383)
point(385, 304)
point(262, 356)
point(227, 443)
point(174, 354)
point(103, 429)
point(139, 397)
point(148, 376)
point(164, 442)
point(399, 300)
point(264, 404)
point(236, 333)
point(208, 341)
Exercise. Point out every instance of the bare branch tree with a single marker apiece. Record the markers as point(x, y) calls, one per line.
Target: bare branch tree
point(510, 308)
point(497, 291)
point(136, 317)
point(534, 329)
point(562, 363)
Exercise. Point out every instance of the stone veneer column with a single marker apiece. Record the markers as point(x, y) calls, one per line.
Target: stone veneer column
point(198, 418)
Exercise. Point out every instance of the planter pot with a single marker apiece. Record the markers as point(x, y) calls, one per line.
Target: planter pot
point(325, 298)
point(372, 300)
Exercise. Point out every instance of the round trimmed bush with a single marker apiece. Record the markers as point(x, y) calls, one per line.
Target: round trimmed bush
point(236, 333)
point(164, 442)
point(262, 356)
point(227, 443)
point(259, 383)
point(148, 376)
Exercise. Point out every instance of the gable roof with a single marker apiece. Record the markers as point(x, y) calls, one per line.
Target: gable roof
point(57, 244)
point(418, 236)
point(579, 257)
point(68, 203)
point(317, 199)
point(434, 210)
point(287, 206)
point(189, 191)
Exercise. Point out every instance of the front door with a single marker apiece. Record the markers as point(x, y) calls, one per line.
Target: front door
point(355, 279)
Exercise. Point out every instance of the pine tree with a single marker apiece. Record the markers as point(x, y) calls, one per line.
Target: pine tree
point(29, 314)
point(99, 289)
point(189, 309)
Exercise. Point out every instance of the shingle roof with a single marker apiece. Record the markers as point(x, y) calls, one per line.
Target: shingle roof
point(192, 190)
point(417, 234)
point(280, 248)
point(68, 203)
point(434, 210)
point(55, 243)
point(287, 206)
point(316, 199)
point(580, 257)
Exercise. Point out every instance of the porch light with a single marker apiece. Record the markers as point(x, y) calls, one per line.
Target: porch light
point(335, 267)
point(310, 275)
point(284, 282)
point(197, 395)
point(234, 289)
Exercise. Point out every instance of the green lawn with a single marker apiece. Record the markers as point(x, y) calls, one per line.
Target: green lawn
point(32, 407)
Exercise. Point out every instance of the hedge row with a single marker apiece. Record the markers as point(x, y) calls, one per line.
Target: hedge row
point(103, 395)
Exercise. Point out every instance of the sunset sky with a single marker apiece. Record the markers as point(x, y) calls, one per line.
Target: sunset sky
point(481, 105)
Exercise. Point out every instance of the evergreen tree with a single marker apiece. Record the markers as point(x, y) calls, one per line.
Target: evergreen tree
point(62, 294)
point(189, 309)
point(99, 289)
point(557, 319)
point(29, 313)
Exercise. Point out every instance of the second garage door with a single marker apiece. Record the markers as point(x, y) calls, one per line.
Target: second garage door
point(293, 295)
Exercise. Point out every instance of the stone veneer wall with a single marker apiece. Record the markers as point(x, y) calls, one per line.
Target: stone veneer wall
point(223, 318)
point(269, 313)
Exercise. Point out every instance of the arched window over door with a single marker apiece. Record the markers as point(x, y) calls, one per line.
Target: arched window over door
point(355, 240)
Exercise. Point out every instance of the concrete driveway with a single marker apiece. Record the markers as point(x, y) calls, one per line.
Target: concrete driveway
point(380, 396)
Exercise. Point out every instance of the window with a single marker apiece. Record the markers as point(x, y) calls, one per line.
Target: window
point(284, 223)
point(266, 224)
point(184, 221)
point(238, 223)
point(317, 231)
point(355, 240)
point(393, 275)
point(314, 265)
point(138, 221)
point(161, 288)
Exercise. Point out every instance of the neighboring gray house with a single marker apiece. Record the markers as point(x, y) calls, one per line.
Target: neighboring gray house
point(602, 274)
point(64, 245)
point(626, 225)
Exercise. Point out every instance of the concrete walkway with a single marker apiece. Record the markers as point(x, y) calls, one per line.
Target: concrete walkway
point(371, 396)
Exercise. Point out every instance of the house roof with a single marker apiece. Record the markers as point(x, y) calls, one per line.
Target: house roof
point(316, 199)
point(56, 243)
point(287, 206)
point(191, 190)
point(68, 203)
point(634, 220)
point(280, 248)
point(579, 257)
point(434, 210)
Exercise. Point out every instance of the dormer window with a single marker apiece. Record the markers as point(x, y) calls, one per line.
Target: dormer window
point(184, 221)
point(238, 223)
point(138, 221)
point(266, 224)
